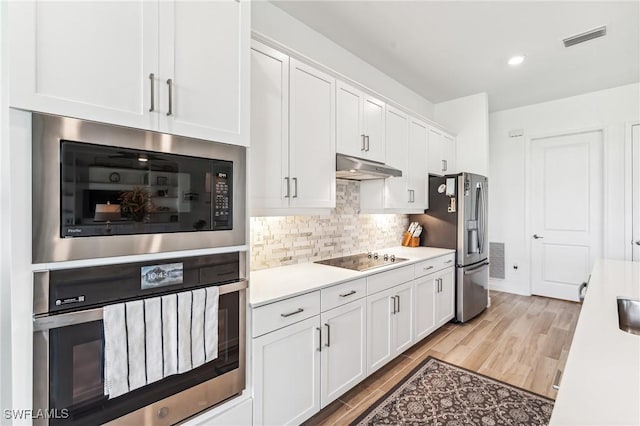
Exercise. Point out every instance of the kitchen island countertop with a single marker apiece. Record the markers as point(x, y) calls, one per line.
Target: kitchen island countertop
point(601, 381)
point(274, 284)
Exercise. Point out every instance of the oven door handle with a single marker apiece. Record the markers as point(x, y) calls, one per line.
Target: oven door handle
point(44, 323)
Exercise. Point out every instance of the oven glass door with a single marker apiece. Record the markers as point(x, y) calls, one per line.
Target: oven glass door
point(120, 191)
point(76, 370)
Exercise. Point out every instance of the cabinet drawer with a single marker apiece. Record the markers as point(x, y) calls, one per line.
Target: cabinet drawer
point(388, 279)
point(281, 314)
point(432, 265)
point(340, 294)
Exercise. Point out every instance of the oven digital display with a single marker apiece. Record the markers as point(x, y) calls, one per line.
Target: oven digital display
point(154, 276)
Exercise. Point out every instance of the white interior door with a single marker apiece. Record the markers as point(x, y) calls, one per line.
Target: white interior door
point(635, 149)
point(566, 212)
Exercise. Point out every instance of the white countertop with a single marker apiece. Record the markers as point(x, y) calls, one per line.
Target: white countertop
point(270, 285)
point(601, 381)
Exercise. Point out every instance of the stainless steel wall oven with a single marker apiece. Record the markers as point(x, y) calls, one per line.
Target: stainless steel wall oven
point(101, 190)
point(69, 343)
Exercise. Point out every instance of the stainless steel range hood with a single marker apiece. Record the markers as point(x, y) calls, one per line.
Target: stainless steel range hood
point(359, 169)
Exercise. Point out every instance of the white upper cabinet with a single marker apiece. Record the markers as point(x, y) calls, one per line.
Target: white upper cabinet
point(396, 192)
point(204, 64)
point(312, 153)
point(269, 154)
point(418, 165)
point(111, 62)
point(442, 153)
point(374, 129)
point(92, 60)
point(292, 160)
point(407, 150)
point(360, 124)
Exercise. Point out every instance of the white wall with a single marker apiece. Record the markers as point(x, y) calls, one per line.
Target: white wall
point(468, 117)
point(610, 109)
point(278, 25)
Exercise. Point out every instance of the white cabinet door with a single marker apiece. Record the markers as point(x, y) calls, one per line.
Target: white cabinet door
point(403, 318)
point(349, 122)
point(374, 129)
point(449, 154)
point(445, 296)
point(425, 314)
point(396, 195)
point(92, 60)
point(343, 353)
point(435, 154)
point(418, 157)
point(204, 52)
point(286, 374)
point(312, 147)
point(379, 330)
point(269, 151)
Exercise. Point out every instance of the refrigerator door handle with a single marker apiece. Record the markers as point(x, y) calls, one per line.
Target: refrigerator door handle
point(476, 269)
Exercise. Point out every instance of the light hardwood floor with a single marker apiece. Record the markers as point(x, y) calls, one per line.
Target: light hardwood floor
point(519, 340)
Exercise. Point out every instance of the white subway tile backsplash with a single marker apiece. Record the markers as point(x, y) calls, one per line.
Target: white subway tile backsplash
point(286, 240)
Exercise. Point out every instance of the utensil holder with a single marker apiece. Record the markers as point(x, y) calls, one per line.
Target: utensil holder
point(414, 242)
point(406, 239)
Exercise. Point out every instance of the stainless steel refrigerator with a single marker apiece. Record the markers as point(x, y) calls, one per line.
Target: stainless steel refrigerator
point(457, 219)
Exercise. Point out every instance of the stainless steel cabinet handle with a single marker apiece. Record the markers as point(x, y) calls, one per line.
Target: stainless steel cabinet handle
point(295, 187)
point(328, 334)
point(364, 144)
point(319, 339)
point(444, 166)
point(409, 195)
point(153, 90)
point(394, 305)
point(170, 84)
point(367, 139)
point(427, 268)
point(288, 187)
point(297, 311)
point(398, 297)
point(537, 237)
point(348, 294)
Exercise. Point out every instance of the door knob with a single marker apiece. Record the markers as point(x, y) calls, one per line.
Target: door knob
point(537, 237)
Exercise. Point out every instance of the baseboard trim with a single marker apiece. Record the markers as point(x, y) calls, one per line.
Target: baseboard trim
point(507, 287)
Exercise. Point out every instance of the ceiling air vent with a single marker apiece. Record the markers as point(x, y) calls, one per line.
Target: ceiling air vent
point(586, 36)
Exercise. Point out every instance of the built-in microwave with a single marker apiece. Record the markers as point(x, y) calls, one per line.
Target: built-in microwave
point(101, 190)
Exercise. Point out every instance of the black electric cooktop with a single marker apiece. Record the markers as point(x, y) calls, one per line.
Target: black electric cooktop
point(362, 261)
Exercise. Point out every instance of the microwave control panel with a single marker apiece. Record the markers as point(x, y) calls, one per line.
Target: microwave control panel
point(222, 196)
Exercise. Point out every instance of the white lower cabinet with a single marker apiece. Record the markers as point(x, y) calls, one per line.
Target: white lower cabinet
point(301, 367)
point(343, 356)
point(434, 301)
point(389, 325)
point(286, 366)
point(444, 298)
point(425, 314)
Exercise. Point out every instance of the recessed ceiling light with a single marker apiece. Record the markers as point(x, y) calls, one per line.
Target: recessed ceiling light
point(516, 60)
point(143, 158)
point(352, 171)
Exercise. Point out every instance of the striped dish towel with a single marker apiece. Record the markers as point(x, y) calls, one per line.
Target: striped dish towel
point(148, 340)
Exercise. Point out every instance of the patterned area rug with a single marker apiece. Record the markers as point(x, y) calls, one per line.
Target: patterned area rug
point(439, 393)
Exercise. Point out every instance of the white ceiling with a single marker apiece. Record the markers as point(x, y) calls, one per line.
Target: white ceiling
point(449, 49)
